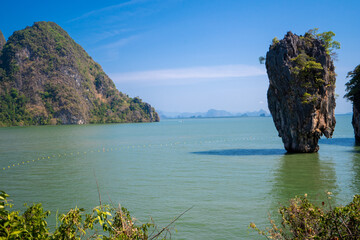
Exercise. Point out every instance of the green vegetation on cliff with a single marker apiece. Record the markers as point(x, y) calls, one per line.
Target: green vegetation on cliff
point(353, 86)
point(13, 108)
point(307, 69)
point(57, 82)
point(353, 94)
point(327, 40)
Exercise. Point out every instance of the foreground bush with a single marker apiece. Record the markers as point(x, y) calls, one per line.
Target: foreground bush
point(303, 220)
point(105, 222)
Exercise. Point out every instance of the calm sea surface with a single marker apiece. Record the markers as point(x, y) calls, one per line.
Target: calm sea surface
point(233, 171)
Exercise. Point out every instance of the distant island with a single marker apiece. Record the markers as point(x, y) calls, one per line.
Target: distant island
point(47, 78)
point(212, 113)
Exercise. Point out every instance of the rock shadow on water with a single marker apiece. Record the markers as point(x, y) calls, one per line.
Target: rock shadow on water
point(344, 142)
point(243, 152)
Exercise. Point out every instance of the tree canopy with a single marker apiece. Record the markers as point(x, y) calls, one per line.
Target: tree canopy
point(353, 86)
point(327, 39)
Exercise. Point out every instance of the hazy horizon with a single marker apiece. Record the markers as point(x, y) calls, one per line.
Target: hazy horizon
point(191, 56)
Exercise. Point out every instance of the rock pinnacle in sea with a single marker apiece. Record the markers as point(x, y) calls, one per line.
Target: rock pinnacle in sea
point(301, 94)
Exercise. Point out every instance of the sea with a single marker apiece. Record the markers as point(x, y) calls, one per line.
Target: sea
point(227, 172)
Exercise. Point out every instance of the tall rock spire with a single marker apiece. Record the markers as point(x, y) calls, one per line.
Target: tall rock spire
point(301, 93)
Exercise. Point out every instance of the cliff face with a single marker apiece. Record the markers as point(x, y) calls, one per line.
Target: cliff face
point(353, 94)
point(2, 43)
point(301, 91)
point(2, 40)
point(47, 78)
point(356, 123)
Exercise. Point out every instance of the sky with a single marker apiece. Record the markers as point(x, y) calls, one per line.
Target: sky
point(193, 55)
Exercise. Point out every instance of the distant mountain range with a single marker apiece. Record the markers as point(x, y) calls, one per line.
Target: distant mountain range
point(212, 113)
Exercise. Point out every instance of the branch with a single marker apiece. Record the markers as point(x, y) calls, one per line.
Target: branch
point(97, 184)
point(164, 228)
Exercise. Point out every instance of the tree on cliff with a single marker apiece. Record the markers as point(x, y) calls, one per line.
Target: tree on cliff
point(327, 39)
point(353, 94)
point(353, 86)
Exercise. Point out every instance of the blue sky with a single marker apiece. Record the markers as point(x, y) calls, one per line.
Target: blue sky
point(192, 55)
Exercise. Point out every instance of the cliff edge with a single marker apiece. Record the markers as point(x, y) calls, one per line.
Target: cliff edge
point(2, 40)
point(2, 43)
point(301, 94)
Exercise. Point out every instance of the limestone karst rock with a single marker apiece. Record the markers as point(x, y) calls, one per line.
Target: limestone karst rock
point(2, 40)
point(353, 94)
point(47, 78)
point(301, 94)
point(2, 43)
point(356, 123)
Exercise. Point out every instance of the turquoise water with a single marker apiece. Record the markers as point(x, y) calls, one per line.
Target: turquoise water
point(233, 171)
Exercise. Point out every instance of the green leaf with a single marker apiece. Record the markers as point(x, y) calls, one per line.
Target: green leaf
point(15, 233)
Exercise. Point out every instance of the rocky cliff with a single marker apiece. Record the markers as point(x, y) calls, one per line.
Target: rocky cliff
point(353, 94)
point(2, 40)
point(301, 94)
point(2, 43)
point(47, 78)
point(356, 123)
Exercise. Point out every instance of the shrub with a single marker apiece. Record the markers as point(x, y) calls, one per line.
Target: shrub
point(104, 222)
point(327, 40)
point(302, 219)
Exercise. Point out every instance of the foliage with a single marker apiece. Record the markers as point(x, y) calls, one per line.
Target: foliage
point(327, 39)
point(302, 219)
point(104, 222)
point(309, 98)
point(353, 86)
point(306, 67)
point(262, 59)
point(309, 73)
point(29, 225)
point(275, 41)
point(13, 108)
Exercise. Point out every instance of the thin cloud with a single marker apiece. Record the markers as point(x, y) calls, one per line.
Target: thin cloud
point(109, 8)
point(106, 34)
point(204, 72)
point(119, 43)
